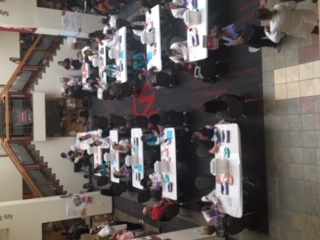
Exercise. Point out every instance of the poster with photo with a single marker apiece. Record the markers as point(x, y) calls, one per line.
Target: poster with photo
point(76, 206)
point(71, 24)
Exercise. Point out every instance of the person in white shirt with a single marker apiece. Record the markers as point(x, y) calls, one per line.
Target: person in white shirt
point(104, 230)
point(178, 52)
point(104, 143)
point(153, 181)
point(123, 146)
point(286, 18)
point(177, 7)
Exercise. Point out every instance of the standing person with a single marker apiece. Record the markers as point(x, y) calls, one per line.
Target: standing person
point(177, 7)
point(156, 212)
point(104, 230)
point(285, 18)
point(249, 34)
point(15, 60)
point(70, 64)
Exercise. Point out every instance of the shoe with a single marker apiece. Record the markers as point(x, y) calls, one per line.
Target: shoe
point(283, 36)
point(277, 48)
point(141, 222)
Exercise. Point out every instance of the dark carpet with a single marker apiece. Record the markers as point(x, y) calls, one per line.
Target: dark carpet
point(245, 79)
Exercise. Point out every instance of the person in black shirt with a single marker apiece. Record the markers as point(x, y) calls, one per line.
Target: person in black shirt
point(70, 64)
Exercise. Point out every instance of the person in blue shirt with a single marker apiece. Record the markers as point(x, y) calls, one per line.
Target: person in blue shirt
point(103, 169)
point(138, 61)
point(151, 139)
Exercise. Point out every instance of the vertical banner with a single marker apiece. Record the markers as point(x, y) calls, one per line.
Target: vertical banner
point(76, 206)
point(71, 24)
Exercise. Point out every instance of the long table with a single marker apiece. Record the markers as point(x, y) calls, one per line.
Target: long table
point(227, 168)
point(200, 51)
point(168, 165)
point(154, 49)
point(121, 59)
point(136, 159)
point(114, 163)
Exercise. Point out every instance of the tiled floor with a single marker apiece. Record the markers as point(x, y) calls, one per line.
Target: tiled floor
point(291, 84)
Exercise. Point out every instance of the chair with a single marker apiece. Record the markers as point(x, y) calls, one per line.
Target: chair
point(144, 195)
point(103, 180)
point(154, 119)
point(118, 188)
point(235, 225)
point(170, 212)
point(107, 96)
point(203, 153)
point(163, 118)
point(176, 118)
point(140, 122)
point(118, 121)
point(205, 182)
point(126, 91)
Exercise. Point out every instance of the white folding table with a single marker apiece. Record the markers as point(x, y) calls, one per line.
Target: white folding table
point(200, 51)
point(136, 160)
point(168, 165)
point(228, 160)
point(114, 163)
point(154, 49)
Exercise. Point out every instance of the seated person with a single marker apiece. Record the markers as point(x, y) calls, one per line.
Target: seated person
point(104, 143)
point(70, 64)
point(92, 84)
point(108, 41)
point(178, 52)
point(121, 235)
point(103, 169)
point(104, 230)
point(27, 41)
point(153, 181)
point(124, 146)
point(151, 139)
point(124, 173)
point(177, 7)
point(138, 61)
point(205, 137)
point(156, 212)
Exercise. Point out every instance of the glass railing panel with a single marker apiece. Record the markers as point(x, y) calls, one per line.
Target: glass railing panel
point(45, 43)
point(36, 58)
point(20, 81)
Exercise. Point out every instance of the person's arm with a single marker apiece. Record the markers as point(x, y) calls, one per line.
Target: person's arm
point(274, 35)
point(215, 148)
point(289, 4)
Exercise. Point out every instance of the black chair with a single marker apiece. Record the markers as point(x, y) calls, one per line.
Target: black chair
point(175, 118)
point(102, 181)
point(126, 91)
point(205, 182)
point(163, 118)
point(235, 225)
point(201, 152)
point(170, 212)
point(144, 195)
point(118, 121)
point(164, 79)
point(101, 122)
point(107, 96)
point(154, 119)
point(140, 121)
point(119, 188)
point(225, 106)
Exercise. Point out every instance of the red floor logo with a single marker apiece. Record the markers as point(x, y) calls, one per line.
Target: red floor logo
point(145, 102)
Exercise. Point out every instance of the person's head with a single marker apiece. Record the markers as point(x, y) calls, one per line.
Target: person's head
point(63, 155)
point(133, 62)
point(105, 21)
point(96, 143)
point(196, 136)
point(12, 59)
point(216, 32)
point(169, 5)
point(117, 174)
point(71, 154)
point(118, 147)
point(147, 210)
point(92, 35)
point(171, 52)
point(263, 14)
point(89, 80)
point(209, 229)
point(98, 169)
point(145, 137)
point(93, 230)
point(88, 52)
point(61, 63)
point(145, 182)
